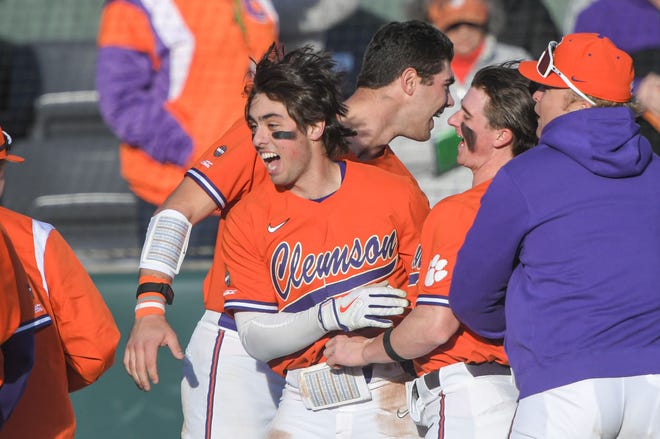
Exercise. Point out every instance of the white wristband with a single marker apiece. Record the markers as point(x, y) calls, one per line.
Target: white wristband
point(166, 242)
point(150, 304)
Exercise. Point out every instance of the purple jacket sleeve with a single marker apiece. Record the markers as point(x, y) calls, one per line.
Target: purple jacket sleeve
point(487, 259)
point(133, 105)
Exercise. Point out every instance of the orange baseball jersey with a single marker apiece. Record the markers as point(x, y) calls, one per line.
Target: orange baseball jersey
point(17, 328)
point(170, 78)
point(231, 168)
point(286, 253)
point(227, 171)
point(443, 234)
point(389, 162)
point(72, 352)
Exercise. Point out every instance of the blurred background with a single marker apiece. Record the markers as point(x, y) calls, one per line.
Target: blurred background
point(71, 176)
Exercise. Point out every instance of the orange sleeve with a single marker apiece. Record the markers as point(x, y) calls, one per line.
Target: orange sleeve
point(230, 167)
point(442, 237)
point(443, 234)
point(125, 25)
point(86, 327)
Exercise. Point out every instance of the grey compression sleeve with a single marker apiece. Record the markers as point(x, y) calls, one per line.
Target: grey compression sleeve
point(266, 336)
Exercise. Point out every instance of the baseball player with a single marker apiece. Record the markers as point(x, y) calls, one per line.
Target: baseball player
point(326, 235)
point(224, 390)
point(465, 387)
point(75, 334)
point(16, 329)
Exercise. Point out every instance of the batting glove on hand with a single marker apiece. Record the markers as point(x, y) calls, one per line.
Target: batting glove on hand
point(361, 308)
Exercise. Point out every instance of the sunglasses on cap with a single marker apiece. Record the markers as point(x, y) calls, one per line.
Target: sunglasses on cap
point(546, 65)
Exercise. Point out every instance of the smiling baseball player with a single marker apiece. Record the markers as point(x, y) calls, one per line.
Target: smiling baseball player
point(300, 253)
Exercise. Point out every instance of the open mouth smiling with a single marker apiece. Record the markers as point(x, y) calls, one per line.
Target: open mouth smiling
point(269, 157)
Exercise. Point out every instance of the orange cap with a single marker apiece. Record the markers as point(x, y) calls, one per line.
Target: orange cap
point(5, 141)
point(592, 63)
point(445, 13)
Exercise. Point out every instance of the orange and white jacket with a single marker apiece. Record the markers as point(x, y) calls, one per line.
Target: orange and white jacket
point(79, 345)
point(170, 76)
point(16, 328)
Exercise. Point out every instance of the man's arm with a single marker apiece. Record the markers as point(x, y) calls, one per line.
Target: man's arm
point(191, 200)
point(424, 329)
point(153, 331)
point(228, 169)
point(431, 323)
point(267, 336)
point(86, 327)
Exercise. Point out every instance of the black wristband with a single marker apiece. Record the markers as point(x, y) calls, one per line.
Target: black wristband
point(161, 288)
point(388, 347)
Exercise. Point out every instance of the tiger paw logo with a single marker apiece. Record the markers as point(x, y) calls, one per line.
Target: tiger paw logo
point(436, 271)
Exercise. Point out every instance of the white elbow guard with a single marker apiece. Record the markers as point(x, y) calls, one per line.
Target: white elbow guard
point(166, 242)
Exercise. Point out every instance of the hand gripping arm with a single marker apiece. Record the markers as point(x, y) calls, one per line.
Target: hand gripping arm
point(362, 307)
point(267, 336)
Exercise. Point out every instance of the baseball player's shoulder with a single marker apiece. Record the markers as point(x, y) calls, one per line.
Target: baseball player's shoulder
point(22, 227)
point(453, 207)
point(9, 217)
point(468, 199)
point(374, 176)
point(234, 146)
point(402, 188)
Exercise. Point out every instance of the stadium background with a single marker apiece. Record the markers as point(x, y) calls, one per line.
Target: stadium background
point(71, 179)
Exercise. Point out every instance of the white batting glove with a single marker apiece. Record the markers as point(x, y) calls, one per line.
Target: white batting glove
point(361, 308)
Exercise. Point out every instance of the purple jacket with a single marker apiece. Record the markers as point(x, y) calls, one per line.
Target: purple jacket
point(563, 259)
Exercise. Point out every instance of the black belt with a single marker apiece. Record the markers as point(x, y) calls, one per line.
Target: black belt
point(432, 379)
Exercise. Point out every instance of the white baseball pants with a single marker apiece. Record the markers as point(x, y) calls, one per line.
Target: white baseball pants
point(462, 405)
point(225, 393)
point(627, 407)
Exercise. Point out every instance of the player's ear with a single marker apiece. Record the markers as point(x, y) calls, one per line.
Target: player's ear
point(503, 137)
point(315, 130)
point(408, 80)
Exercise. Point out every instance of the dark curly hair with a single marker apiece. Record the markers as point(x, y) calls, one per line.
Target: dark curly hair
point(307, 84)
